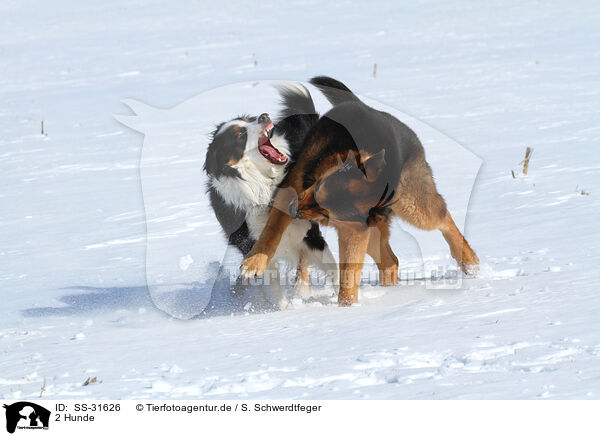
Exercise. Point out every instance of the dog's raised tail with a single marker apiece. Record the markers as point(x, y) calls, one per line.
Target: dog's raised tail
point(335, 91)
point(296, 100)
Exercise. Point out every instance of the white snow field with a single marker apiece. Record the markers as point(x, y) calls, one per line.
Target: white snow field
point(486, 79)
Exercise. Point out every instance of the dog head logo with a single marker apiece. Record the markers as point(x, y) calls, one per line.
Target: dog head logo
point(186, 253)
point(26, 415)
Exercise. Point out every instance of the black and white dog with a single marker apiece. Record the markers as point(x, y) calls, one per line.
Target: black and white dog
point(246, 160)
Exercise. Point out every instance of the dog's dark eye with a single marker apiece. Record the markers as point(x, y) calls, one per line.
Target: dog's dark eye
point(239, 135)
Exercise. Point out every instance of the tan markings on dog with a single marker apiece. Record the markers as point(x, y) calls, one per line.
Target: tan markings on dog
point(419, 204)
point(353, 241)
point(459, 247)
point(417, 199)
point(364, 206)
point(358, 187)
point(302, 275)
point(311, 214)
point(303, 268)
point(330, 165)
point(295, 176)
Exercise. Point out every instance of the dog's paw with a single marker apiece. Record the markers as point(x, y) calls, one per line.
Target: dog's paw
point(469, 262)
point(282, 304)
point(254, 265)
point(302, 290)
point(347, 297)
point(388, 276)
point(470, 269)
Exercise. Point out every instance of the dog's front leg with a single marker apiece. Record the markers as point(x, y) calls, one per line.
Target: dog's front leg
point(353, 242)
point(255, 263)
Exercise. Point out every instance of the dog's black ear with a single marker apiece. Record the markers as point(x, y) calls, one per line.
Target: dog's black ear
point(373, 163)
point(210, 163)
point(214, 132)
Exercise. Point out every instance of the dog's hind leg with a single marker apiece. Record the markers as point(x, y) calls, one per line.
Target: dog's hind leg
point(419, 204)
point(324, 261)
point(380, 250)
point(459, 247)
point(302, 286)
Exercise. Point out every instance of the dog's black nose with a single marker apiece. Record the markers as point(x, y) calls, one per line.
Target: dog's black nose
point(264, 118)
point(293, 209)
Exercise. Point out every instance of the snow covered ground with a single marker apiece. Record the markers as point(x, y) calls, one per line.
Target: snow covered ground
point(495, 77)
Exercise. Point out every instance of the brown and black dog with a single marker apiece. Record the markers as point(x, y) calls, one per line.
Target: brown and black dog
point(359, 167)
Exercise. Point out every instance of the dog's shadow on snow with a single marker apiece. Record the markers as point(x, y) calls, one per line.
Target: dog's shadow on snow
point(183, 302)
point(89, 299)
point(94, 299)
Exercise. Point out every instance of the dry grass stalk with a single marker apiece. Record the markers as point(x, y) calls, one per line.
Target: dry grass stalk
point(43, 388)
point(91, 380)
point(525, 161)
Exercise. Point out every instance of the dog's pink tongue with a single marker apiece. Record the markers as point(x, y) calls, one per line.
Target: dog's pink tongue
point(271, 153)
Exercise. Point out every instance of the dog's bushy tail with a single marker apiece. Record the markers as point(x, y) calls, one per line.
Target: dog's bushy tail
point(295, 100)
point(335, 91)
point(297, 115)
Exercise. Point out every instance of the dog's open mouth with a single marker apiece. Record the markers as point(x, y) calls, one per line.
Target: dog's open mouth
point(267, 150)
